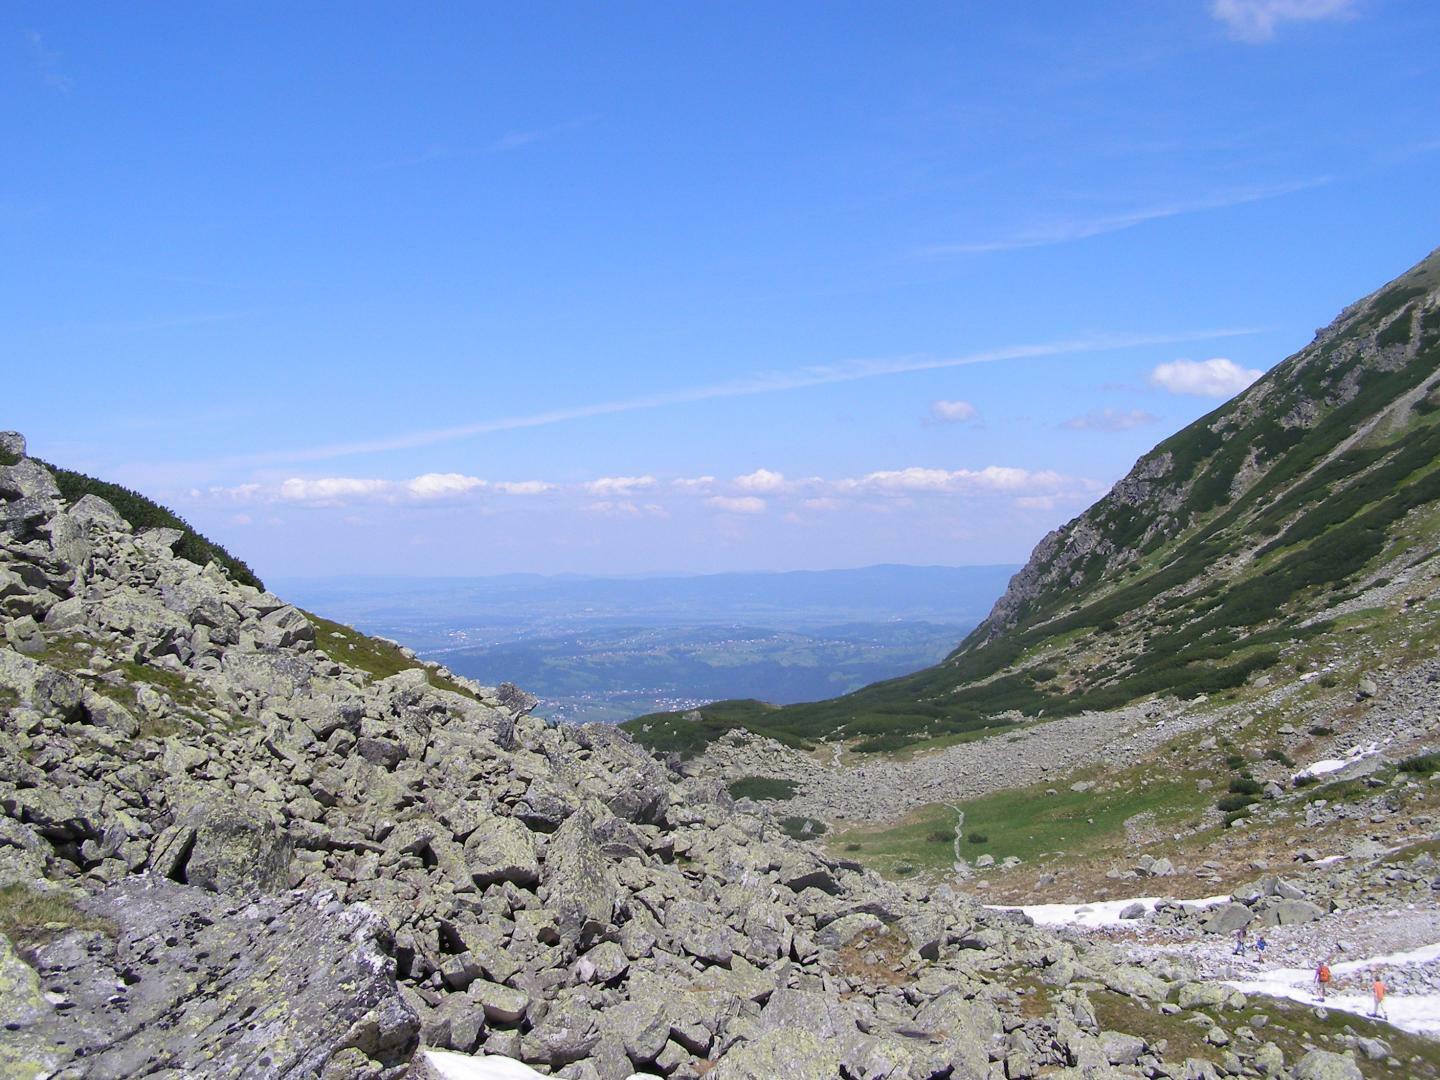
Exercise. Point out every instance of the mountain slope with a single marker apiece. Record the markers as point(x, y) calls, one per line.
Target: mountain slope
point(1226, 542)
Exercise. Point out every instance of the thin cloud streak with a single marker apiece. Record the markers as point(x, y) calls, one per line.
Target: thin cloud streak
point(1066, 232)
point(765, 383)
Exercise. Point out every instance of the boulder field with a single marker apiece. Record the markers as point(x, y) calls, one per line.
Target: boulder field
point(239, 841)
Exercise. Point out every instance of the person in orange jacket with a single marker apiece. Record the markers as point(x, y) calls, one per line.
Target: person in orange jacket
point(1377, 991)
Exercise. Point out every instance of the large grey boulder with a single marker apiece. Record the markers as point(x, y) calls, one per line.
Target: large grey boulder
point(578, 884)
point(501, 849)
point(238, 850)
point(1226, 919)
point(195, 984)
point(12, 443)
point(792, 1053)
point(1324, 1065)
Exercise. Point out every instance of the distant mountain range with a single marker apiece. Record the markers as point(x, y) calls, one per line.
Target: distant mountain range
point(1257, 525)
point(608, 649)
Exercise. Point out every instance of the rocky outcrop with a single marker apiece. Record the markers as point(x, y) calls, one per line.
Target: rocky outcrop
point(179, 979)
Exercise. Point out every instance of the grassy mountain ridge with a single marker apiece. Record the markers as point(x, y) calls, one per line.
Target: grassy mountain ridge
point(1229, 540)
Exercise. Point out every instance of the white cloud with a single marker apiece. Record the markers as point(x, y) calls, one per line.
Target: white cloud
point(761, 480)
point(693, 483)
point(442, 485)
point(1216, 378)
point(1110, 420)
point(744, 504)
point(619, 485)
point(523, 487)
point(331, 488)
point(822, 503)
point(238, 493)
point(241, 519)
point(1255, 20)
point(992, 478)
point(952, 412)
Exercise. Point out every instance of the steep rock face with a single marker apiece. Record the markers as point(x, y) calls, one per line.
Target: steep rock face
point(205, 793)
point(1380, 349)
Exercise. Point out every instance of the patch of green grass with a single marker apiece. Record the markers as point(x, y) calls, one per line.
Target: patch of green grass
point(31, 916)
point(1028, 822)
point(376, 658)
point(1422, 764)
point(762, 788)
point(7, 458)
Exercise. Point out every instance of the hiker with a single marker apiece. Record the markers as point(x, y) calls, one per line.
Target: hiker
point(1240, 942)
point(1322, 977)
point(1260, 944)
point(1377, 990)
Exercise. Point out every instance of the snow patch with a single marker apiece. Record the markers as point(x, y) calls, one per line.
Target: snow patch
point(1100, 912)
point(444, 1065)
point(1330, 765)
point(1415, 1013)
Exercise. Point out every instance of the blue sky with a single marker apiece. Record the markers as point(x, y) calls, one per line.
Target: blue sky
point(639, 287)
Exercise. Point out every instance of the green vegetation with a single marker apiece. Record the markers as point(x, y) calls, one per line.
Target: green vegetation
point(1422, 764)
point(1031, 823)
point(377, 658)
point(143, 513)
point(762, 788)
point(7, 458)
point(30, 916)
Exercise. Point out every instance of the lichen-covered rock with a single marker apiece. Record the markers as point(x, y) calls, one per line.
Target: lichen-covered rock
point(1324, 1065)
point(793, 1053)
point(239, 850)
point(578, 883)
point(501, 849)
point(210, 986)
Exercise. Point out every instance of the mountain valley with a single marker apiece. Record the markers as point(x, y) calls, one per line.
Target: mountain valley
point(240, 839)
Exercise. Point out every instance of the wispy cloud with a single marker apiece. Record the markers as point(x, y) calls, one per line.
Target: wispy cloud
point(344, 490)
point(762, 383)
point(741, 504)
point(619, 485)
point(619, 496)
point(952, 412)
point(1082, 228)
point(1255, 21)
point(992, 478)
point(47, 63)
point(1216, 378)
point(626, 508)
point(1110, 420)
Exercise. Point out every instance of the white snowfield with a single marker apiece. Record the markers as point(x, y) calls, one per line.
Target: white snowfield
point(1416, 1013)
point(1100, 912)
point(1329, 765)
point(444, 1065)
